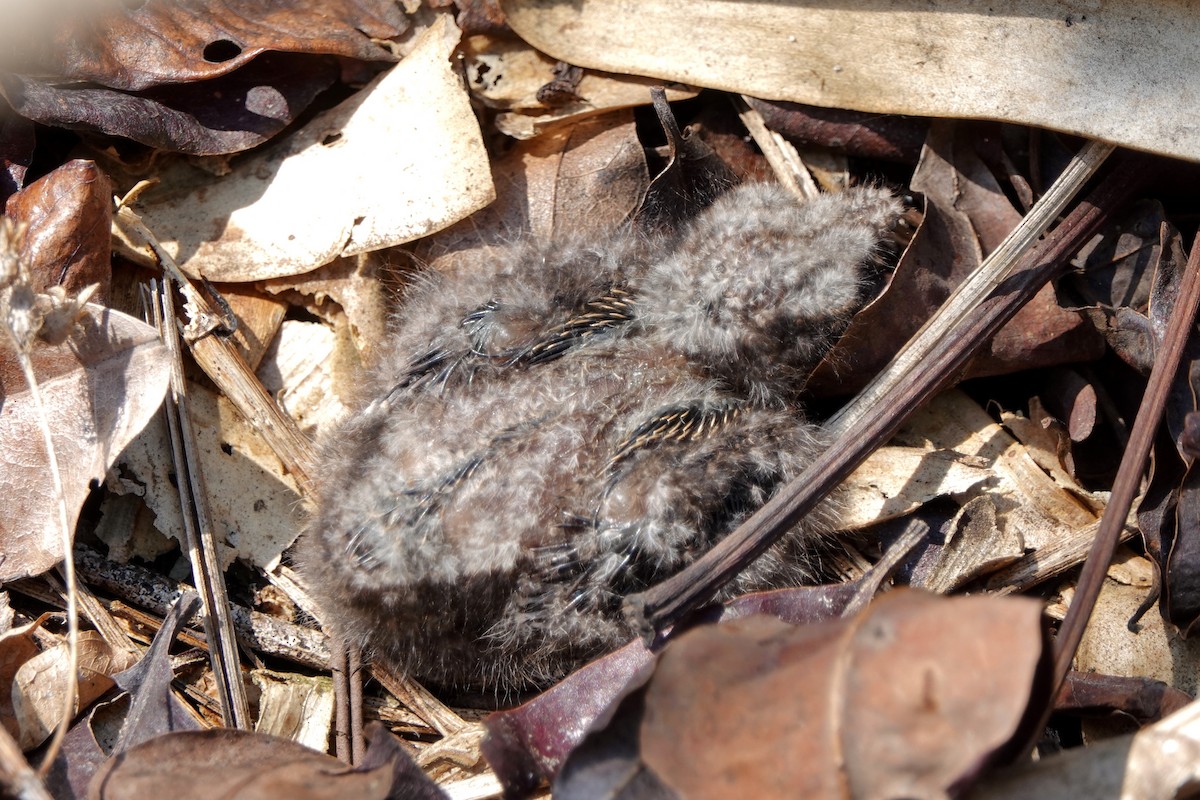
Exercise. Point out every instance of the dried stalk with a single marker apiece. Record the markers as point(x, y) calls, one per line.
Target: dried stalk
point(418, 699)
point(785, 162)
point(98, 615)
point(869, 422)
point(197, 525)
point(1048, 561)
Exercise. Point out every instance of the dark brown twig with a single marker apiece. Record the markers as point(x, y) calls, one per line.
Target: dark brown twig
point(339, 666)
point(667, 602)
point(1133, 463)
point(354, 677)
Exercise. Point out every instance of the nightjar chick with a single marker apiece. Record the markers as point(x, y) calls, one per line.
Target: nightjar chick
point(576, 423)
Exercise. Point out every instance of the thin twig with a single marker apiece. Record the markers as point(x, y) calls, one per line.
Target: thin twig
point(154, 592)
point(65, 533)
point(876, 421)
point(339, 667)
point(1133, 462)
point(97, 614)
point(419, 700)
point(354, 666)
point(197, 526)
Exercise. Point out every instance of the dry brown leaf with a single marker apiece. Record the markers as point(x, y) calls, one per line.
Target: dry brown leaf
point(974, 545)
point(896, 480)
point(1108, 71)
point(68, 242)
point(873, 707)
point(1155, 650)
point(100, 388)
point(232, 764)
point(38, 685)
point(348, 294)
point(258, 319)
point(302, 371)
point(1036, 507)
point(138, 45)
point(16, 647)
point(507, 74)
point(400, 159)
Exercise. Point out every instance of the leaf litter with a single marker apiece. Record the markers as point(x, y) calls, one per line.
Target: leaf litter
point(1004, 476)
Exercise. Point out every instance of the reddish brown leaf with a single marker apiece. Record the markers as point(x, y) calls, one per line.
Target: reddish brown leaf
point(248, 766)
point(872, 707)
point(856, 133)
point(69, 214)
point(221, 762)
point(966, 216)
point(134, 46)
point(1145, 699)
point(481, 17)
point(538, 186)
point(528, 744)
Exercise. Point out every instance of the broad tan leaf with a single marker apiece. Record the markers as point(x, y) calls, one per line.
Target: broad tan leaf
point(1119, 71)
point(100, 388)
point(400, 159)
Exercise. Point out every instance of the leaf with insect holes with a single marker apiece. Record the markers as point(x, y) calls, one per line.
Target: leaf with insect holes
point(99, 389)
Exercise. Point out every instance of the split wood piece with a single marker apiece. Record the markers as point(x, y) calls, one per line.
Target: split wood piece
point(1049, 561)
point(420, 701)
point(258, 632)
point(869, 422)
point(198, 525)
point(785, 161)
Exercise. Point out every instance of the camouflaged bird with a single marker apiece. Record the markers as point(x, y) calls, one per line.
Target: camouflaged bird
point(576, 423)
